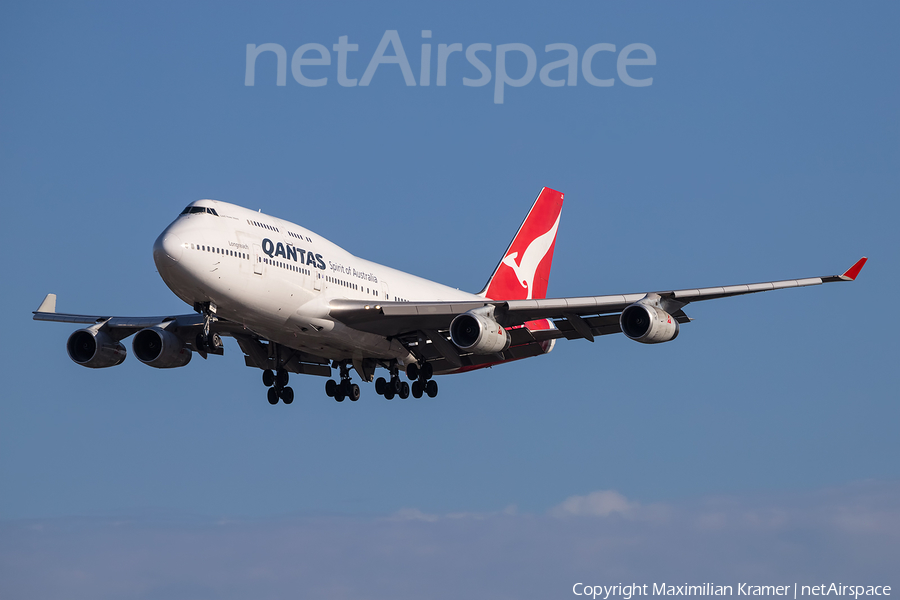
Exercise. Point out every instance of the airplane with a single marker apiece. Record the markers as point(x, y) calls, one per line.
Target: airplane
point(298, 303)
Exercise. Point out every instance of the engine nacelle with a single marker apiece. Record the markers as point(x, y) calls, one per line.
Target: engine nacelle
point(648, 324)
point(477, 332)
point(159, 348)
point(95, 349)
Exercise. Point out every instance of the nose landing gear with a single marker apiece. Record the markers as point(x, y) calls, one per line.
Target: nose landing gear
point(208, 342)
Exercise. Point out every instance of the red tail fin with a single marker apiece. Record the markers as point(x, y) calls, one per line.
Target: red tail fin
point(524, 271)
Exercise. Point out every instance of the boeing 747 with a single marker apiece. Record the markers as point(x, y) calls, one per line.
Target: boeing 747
point(298, 303)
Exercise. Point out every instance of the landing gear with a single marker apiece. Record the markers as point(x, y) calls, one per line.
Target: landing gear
point(287, 395)
point(208, 342)
point(392, 387)
point(281, 378)
point(419, 375)
point(422, 382)
point(277, 384)
point(268, 378)
point(344, 389)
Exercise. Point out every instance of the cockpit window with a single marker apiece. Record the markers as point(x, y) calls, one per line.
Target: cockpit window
point(192, 210)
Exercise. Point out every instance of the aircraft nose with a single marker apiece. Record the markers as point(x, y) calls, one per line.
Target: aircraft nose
point(168, 247)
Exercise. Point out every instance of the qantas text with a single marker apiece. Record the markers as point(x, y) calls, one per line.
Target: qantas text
point(273, 249)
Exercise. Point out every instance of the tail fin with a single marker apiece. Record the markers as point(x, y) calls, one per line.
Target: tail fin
point(524, 271)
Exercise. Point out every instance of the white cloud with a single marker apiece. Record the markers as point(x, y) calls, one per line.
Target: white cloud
point(851, 532)
point(413, 514)
point(601, 503)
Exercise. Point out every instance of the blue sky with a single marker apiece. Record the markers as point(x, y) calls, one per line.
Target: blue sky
point(765, 148)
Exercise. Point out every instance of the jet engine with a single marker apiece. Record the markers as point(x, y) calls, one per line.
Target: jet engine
point(159, 348)
point(648, 324)
point(95, 348)
point(478, 332)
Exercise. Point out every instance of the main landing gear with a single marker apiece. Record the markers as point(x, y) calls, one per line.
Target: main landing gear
point(422, 384)
point(422, 380)
point(344, 389)
point(393, 387)
point(277, 382)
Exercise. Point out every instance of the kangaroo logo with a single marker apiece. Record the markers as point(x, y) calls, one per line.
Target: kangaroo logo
point(531, 258)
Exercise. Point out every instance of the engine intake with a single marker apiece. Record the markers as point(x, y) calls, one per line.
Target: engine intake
point(478, 333)
point(647, 324)
point(161, 349)
point(95, 349)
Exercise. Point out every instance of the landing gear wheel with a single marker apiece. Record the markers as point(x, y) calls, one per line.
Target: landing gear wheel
point(431, 388)
point(395, 384)
point(339, 395)
point(272, 396)
point(287, 395)
point(354, 392)
point(380, 385)
point(281, 378)
point(213, 341)
point(427, 371)
point(268, 378)
point(200, 343)
point(389, 393)
point(404, 390)
point(330, 388)
point(412, 371)
point(417, 389)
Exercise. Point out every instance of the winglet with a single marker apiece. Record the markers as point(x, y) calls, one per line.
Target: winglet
point(851, 273)
point(48, 305)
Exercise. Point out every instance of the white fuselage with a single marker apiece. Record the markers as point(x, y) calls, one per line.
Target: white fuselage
point(277, 278)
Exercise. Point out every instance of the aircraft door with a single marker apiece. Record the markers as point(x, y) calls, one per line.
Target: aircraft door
point(257, 260)
point(385, 295)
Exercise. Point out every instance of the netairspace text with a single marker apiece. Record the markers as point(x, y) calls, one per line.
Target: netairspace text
point(311, 64)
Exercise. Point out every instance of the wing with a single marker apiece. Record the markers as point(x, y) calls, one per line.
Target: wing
point(187, 327)
point(418, 324)
point(122, 327)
